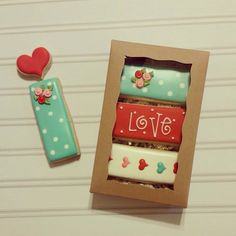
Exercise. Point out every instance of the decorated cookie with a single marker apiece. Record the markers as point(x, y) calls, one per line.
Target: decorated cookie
point(55, 126)
point(35, 65)
point(52, 115)
point(143, 164)
point(155, 83)
point(149, 123)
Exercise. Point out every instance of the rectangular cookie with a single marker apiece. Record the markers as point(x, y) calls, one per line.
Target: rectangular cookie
point(143, 164)
point(149, 123)
point(155, 83)
point(54, 122)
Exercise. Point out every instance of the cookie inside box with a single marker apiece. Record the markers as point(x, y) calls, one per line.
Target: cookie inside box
point(150, 113)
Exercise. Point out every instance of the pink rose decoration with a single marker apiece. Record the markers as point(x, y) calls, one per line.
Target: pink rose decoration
point(139, 83)
point(38, 91)
point(47, 93)
point(147, 76)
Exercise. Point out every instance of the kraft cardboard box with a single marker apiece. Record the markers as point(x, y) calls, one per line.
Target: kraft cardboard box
point(196, 61)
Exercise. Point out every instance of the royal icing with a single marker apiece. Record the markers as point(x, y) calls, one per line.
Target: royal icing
point(145, 165)
point(155, 83)
point(151, 123)
point(53, 120)
point(34, 65)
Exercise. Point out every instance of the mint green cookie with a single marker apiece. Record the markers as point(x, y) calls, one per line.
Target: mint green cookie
point(161, 83)
point(55, 126)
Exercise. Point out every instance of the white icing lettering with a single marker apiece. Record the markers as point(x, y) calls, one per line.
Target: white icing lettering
point(155, 129)
point(165, 128)
point(141, 122)
point(130, 122)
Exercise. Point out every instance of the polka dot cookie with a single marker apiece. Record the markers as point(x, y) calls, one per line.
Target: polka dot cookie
point(57, 133)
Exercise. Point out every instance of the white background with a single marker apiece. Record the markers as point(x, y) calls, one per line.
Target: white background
point(37, 200)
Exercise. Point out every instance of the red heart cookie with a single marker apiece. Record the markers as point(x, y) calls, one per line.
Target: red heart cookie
point(35, 65)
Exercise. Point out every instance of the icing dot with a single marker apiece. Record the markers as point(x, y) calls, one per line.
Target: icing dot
point(152, 109)
point(170, 93)
point(161, 82)
point(172, 137)
point(135, 112)
point(66, 146)
point(44, 131)
point(130, 143)
point(183, 113)
point(55, 139)
point(144, 90)
point(49, 83)
point(54, 97)
point(37, 108)
point(174, 120)
point(123, 77)
point(50, 113)
point(121, 107)
point(182, 85)
point(144, 132)
point(61, 120)
point(52, 152)
point(122, 131)
point(32, 89)
point(177, 74)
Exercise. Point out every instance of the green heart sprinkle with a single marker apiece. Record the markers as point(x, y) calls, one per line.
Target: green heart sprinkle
point(160, 167)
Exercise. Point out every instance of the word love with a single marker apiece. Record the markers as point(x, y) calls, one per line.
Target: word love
point(141, 123)
point(149, 123)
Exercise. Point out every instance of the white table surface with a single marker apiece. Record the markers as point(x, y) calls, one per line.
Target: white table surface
point(37, 200)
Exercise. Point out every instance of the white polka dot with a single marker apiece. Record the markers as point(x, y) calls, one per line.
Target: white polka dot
point(52, 152)
point(123, 77)
point(66, 146)
point(55, 139)
point(121, 107)
point(32, 89)
point(44, 131)
point(183, 113)
point(135, 112)
point(61, 120)
point(152, 109)
point(122, 131)
point(161, 82)
point(177, 74)
point(145, 89)
point(37, 108)
point(49, 84)
point(173, 120)
point(172, 137)
point(129, 143)
point(50, 113)
point(144, 132)
point(182, 85)
point(170, 93)
point(54, 97)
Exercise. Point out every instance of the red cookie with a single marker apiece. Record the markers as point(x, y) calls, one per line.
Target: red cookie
point(149, 123)
point(35, 65)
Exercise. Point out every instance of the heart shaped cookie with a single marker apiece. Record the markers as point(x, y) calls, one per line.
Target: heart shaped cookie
point(35, 65)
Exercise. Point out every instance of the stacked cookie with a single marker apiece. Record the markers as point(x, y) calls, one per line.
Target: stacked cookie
point(149, 118)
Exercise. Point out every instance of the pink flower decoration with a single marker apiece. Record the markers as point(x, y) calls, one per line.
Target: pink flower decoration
point(38, 91)
point(139, 83)
point(47, 93)
point(147, 76)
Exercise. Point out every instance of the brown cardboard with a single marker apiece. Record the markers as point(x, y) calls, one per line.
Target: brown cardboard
point(178, 196)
